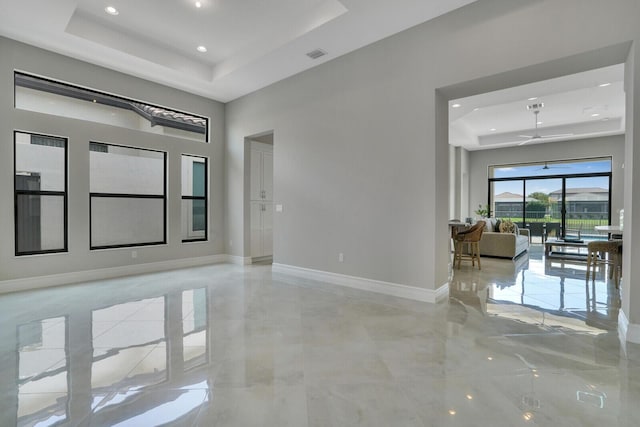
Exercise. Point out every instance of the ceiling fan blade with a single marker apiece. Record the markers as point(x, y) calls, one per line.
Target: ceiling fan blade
point(525, 136)
point(526, 141)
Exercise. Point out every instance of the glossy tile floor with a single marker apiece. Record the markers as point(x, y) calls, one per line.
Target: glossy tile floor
point(519, 343)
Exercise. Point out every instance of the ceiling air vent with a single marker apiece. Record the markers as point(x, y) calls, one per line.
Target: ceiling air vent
point(315, 54)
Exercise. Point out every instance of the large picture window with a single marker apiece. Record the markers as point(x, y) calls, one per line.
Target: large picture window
point(561, 198)
point(49, 96)
point(128, 196)
point(40, 184)
point(194, 198)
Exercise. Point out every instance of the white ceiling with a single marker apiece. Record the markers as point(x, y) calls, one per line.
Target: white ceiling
point(574, 105)
point(250, 43)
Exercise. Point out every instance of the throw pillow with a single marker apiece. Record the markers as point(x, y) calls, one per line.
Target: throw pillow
point(488, 224)
point(497, 229)
point(507, 226)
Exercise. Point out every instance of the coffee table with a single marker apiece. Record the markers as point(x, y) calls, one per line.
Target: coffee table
point(561, 244)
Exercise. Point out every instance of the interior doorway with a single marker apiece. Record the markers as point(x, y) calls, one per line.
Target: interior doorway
point(452, 103)
point(259, 152)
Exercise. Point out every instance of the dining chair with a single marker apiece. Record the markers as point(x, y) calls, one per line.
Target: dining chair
point(469, 238)
point(607, 252)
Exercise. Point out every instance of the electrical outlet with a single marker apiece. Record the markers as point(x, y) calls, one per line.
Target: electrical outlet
point(134, 254)
point(340, 257)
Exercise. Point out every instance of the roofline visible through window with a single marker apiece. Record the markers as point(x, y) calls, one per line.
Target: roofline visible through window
point(180, 120)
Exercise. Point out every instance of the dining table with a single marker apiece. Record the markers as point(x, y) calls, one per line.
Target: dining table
point(610, 230)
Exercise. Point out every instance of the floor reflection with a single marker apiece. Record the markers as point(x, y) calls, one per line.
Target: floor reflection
point(126, 355)
point(517, 342)
point(545, 291)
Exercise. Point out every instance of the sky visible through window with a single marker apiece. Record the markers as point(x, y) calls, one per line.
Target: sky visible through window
point(552, 168)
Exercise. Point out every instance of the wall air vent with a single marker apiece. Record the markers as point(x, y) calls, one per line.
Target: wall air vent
point(317, 53)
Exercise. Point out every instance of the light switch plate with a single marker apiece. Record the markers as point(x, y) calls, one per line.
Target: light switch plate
point(278, 208)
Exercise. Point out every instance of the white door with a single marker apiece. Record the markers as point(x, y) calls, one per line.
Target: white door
point(256, 229)
point(267, 229)
point(256, 175)
point(267, 175)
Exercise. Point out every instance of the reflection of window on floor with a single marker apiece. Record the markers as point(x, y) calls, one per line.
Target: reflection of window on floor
point(43, 388)
point(128, 196)
point(40, 194)
point(194, 327)
point(131, 363)
point(194, 198)
point(129, 350)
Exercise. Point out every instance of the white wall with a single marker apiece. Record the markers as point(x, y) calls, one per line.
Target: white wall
point(79, 133)
point(361, 164)
point(584, 148)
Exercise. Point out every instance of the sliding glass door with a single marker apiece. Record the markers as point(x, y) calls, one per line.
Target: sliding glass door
point(543, 214)
point(587, 203)
point(554, 199)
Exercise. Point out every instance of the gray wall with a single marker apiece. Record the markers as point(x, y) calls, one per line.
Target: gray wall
point(30, 59)
point(361, 161)
point(594, 147)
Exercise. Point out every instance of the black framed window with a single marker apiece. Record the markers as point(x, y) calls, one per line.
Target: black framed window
point(59, 98)
point(40, 193)
point(557, 198)
point(194, 198)
point(128, 201)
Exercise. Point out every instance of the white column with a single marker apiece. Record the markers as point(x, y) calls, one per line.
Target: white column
point(629, 324)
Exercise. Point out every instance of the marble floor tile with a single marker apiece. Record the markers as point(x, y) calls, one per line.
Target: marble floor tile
point(521, 342)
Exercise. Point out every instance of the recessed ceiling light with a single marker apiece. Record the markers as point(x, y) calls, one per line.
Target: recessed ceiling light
point(533, 98)
point(605, 119)
point(493, 129)
point(604, 84)
point(476, 109)
point(201, 49)
point(456, 106)
point(595, 115)
point(198, 4)
point(111, 10)
point(539, 123)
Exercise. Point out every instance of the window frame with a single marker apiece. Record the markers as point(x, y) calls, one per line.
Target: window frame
point(84, 93)
point(205, 198)
point(562, 176)
point(93, 195)
point(63, 194)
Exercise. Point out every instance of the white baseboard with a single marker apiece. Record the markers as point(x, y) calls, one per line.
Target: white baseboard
point(387, 288)
point(38, 282)
point(238, 260)
point(628, 332)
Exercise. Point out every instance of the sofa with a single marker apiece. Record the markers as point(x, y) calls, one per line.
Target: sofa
point(503, 245)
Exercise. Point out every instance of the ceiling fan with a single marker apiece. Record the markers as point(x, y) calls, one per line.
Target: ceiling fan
point(535, 108)
point(546, 167)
